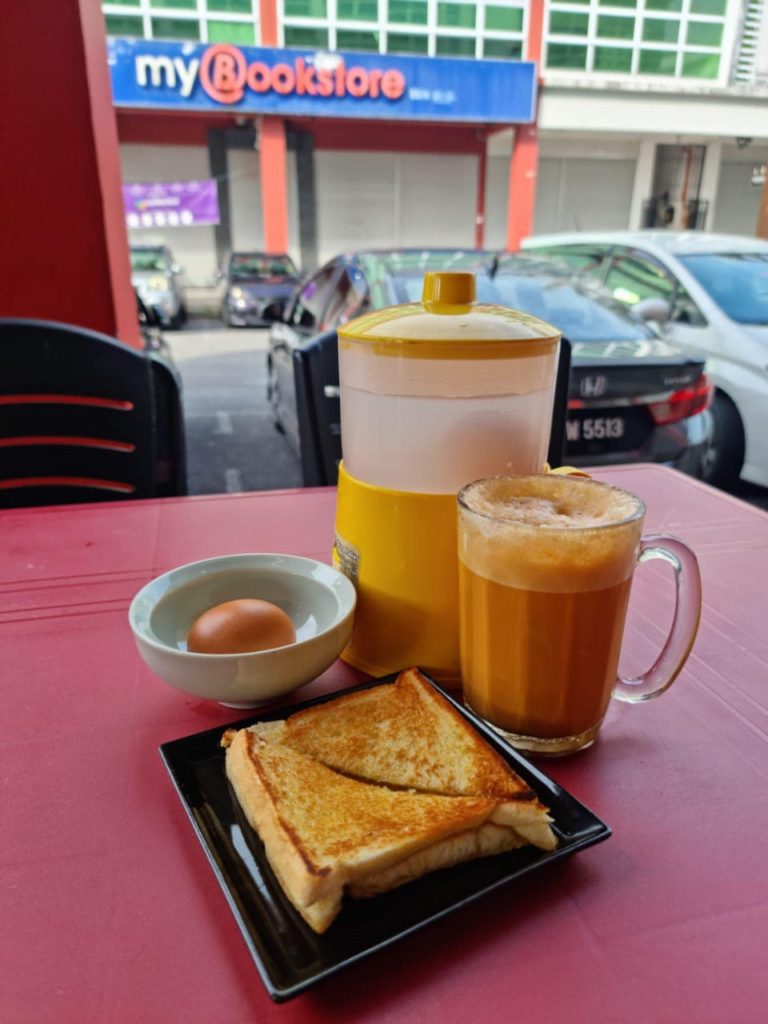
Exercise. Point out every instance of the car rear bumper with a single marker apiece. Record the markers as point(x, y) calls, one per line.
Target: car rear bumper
point(680, 445)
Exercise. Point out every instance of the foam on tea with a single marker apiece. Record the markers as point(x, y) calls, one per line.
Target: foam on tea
point(565, 550)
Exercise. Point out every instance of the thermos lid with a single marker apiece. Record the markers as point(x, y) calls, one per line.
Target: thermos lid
point(450, 324)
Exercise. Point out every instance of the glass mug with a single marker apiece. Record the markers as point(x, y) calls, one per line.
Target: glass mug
point(545, 569)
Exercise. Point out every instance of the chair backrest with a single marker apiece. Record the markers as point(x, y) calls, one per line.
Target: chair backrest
point(85, 418)
point(316, 377)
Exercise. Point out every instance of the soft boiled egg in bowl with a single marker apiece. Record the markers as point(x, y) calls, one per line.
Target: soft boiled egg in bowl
point(193, 624)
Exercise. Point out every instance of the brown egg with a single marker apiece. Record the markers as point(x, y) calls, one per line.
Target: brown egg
point(241, 627)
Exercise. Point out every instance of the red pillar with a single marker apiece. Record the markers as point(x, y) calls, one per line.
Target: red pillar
point(274, 190)
point(525, 149)
point(482, 169)
point(66, 249)
point(272, 159)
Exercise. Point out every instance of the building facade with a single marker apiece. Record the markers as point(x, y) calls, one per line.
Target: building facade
point(649, 112)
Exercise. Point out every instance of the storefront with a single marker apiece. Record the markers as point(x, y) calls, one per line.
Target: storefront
point(314, 152)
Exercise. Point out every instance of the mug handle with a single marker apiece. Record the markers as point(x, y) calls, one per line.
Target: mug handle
point(685, 623)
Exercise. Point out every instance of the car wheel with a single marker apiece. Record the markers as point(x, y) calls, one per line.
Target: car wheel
point(273, 396)
point(724, 456)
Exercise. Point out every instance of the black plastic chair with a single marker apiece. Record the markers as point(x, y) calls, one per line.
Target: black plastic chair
point(85, 418)
point(316, 378)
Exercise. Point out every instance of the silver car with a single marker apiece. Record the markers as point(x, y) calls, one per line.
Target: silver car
point(709, 295)
point(156, 277)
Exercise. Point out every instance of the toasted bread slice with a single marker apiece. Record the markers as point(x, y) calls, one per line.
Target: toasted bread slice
point(323, 831)
point(406, 734)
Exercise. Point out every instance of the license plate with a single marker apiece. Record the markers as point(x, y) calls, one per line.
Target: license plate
point(595, 428)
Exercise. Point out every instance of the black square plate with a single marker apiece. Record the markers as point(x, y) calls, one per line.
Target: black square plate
point(290, 957)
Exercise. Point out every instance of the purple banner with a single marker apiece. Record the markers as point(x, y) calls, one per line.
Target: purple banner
point(171, 204)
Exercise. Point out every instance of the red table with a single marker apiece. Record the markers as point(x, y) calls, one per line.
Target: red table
point(111, 914)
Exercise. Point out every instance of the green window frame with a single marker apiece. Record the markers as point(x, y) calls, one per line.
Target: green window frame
point(129, 25)
point(567, 55)
point(711, 7)
point(657, 62)
point(568, 23)
point(231, 32)
point(305, 8)
point(661, 30)
point(503, 49)
point(613, 58)
point(704, 33)
point(407, 42)
point(407, 12)
point(609, 26)
point(505, 19)
point(626, 4)
point(178, 5)
point(176, 28)
point(455, 46)
point(670, 6)
point(229, 6)
point(357, 39)
point(456, 15)
point(304, 37)
point(357, 10)
point(126, 3)
point(700, 65)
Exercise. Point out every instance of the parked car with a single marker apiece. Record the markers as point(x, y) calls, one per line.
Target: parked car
point(633, 397)
point(709, 295)
point(257, 287)
point(156, 277)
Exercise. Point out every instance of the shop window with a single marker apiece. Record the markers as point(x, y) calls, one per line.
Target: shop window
point(400, 42)
point(305, 8)
point(613, 58)
point(313, 38)
point(180, 5)
point(658, 30)
point(231, 32)
point(456, 15)
point(357, 10)
point(454, 46)
point(502, 49)
point(671, 6)
point(124, 25)
point(712, 7)
point(657, 62)
point(175, 28)
point(568, 23)
point(704, 33)
point(505, 19)
point(618, 3)
point(701, 65)
point(611, 27)
point(566, 55)
point(231, 6)
point(351, 40)
point(408, 12)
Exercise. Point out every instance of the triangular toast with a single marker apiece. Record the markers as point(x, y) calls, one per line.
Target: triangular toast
point(405, 734)
point(323, 831)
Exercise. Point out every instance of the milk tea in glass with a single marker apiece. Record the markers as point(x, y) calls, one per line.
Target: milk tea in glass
point(545, 570)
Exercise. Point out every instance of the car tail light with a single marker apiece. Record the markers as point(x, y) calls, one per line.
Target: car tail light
point(684, 403)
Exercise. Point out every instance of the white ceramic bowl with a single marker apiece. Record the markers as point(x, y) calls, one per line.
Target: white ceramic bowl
point(319, 600)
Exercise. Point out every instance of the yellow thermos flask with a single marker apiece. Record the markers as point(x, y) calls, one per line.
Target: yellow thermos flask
point(433, 395)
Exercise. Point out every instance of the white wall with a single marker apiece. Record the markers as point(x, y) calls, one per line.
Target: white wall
point(386, 200)
point(193, 247)
point(738, 202)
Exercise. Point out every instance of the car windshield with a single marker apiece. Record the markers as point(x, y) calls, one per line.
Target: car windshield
point(149, 259)
point(582, 312)
point(737, 281)
point(248, 265)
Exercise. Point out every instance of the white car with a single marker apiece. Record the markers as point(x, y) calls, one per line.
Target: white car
point(709, 295)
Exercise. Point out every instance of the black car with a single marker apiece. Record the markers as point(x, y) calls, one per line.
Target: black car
point(257, 282)
point(632, 396)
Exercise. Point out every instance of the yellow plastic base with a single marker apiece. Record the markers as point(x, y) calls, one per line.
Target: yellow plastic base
point(400, 551)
